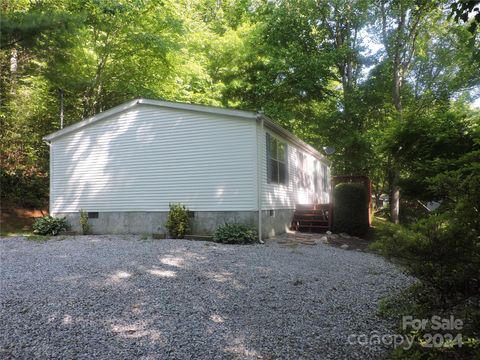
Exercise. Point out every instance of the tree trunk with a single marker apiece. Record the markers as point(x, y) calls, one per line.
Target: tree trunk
point(395, 205)
point(13, 70)
point(399, 44)
point(60, 93)
point(394, 194)
point(397, 86)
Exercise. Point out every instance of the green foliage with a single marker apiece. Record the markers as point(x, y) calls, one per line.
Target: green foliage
point(29, 191)
point(351, 209)
point(426, 146)
point(177, 221)
point(442, 250)
point(443, 253)
point(438, 251)
point(49, 225)
point(235, 54)
point(234, 233)
point(84, 222)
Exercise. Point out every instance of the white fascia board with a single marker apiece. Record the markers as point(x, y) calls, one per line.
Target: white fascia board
point(200, 108)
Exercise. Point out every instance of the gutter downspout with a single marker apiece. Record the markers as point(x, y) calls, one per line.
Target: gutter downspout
point(259, 177)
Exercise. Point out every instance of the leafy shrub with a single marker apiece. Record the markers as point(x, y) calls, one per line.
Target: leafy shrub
point(235, 234)
point(84, 222)
point(177, 221)
point(49, 225)
point(438, 251)
point(351, 209)
point(444, 257)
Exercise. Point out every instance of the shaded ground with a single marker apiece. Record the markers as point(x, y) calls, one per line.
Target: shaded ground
point(120, 297)
point(15, 220)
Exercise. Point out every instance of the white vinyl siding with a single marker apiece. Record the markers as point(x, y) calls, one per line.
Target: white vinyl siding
point(148, 156)
point(298, 190)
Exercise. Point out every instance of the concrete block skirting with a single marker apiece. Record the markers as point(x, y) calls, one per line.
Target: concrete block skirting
point(202, 222)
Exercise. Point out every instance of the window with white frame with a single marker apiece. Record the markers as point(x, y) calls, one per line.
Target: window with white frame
point(277, 160)
point(303, 177)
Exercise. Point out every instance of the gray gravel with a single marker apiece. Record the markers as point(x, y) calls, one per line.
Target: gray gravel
point(123, 298)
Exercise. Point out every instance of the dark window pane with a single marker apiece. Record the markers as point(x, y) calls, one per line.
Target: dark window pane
point(274, 171)
point(273, 148)
point(282, 173)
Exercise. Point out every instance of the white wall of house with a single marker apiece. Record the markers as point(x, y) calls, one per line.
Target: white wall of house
point(308, 176)
point(148, 156)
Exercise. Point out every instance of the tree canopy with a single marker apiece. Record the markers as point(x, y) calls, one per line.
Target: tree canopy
point(388, 83)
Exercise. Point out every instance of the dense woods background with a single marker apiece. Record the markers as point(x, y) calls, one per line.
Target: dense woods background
point(389, 83)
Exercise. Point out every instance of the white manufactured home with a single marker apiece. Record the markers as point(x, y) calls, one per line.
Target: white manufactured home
point(125, 165)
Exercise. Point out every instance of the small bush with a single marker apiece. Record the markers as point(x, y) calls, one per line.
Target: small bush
point(177, 222)
point(49, 225)
point(84, 222)
point(351, 209)
point(235, 234)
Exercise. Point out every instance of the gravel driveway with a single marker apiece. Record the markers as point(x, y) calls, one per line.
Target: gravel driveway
point(125, 298)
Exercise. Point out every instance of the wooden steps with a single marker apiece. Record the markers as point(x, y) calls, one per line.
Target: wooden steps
point(311, 218)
